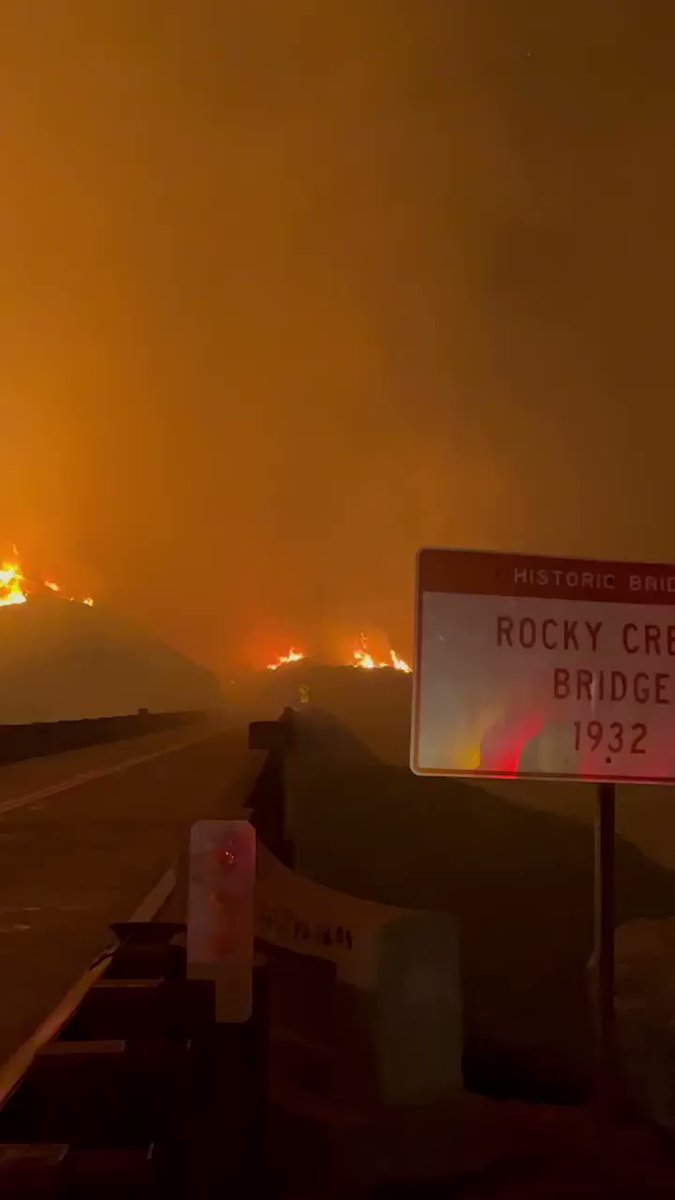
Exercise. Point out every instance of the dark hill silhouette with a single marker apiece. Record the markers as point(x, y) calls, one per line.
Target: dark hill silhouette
point(60, 660)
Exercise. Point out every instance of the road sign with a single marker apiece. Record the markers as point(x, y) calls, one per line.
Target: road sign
point(544, 668)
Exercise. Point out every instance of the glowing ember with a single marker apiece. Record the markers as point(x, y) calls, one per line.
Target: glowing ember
point(292, 657)
point(16, 589)
point(364, 659)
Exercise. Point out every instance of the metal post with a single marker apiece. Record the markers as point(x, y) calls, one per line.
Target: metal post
point(604, 961)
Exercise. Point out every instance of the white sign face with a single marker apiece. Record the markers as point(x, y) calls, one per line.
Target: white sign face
point(544, 668)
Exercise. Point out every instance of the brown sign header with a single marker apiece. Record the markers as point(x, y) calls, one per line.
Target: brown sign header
point(481, 573)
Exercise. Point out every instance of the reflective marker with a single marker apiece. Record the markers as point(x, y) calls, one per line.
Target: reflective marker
point(221, 913)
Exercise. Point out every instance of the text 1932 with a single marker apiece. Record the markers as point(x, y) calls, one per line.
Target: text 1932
point(610, 738)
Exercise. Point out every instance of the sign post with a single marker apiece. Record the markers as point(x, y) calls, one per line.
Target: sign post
point(550, 668)
point(603, 961)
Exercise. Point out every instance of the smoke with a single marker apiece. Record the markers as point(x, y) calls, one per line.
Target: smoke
point(291, 288)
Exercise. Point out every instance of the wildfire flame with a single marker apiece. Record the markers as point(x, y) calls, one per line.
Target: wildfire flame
point(399, 664)
point(361, 658)
point(11, 585)
point(292, 657)
point(15, 588)
point(364, 659)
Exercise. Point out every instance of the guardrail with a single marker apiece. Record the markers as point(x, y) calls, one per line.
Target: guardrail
point(364, 999)
point(19, 742)
point(138, 1092)
point(130, 1086)
point(131, 1079)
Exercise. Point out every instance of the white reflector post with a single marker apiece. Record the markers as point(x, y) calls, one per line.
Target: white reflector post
point(221, 913)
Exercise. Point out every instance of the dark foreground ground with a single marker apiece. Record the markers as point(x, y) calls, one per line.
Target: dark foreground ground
point(74, 860)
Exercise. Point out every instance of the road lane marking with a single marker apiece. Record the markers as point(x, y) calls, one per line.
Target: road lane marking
point(14, 1068)
point(65, 785)
point(155, 899)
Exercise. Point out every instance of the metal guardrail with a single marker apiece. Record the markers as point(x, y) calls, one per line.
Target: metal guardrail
point(130, 1087)
point(14, 1069)
point(19, 742)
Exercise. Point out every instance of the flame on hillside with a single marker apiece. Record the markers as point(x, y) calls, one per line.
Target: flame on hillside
point(364, 659)
point(361, 657)
point(399, 664)
point(293, 656)
point(11, 585)
point(15, 588)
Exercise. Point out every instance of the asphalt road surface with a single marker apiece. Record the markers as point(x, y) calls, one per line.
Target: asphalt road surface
point(84, 837)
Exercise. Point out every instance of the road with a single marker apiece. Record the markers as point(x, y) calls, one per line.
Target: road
point(80, 849)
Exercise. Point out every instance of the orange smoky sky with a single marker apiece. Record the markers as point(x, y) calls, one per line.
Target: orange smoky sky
point(291, 288)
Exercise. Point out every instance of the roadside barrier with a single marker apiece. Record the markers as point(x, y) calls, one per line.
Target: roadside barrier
point(18, 742)
point(141, 1092)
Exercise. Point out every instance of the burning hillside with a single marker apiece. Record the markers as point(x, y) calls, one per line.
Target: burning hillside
point(293, 656)
point(364, 659)
point(60, 662)
point(16, 588)
point(360, 658)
